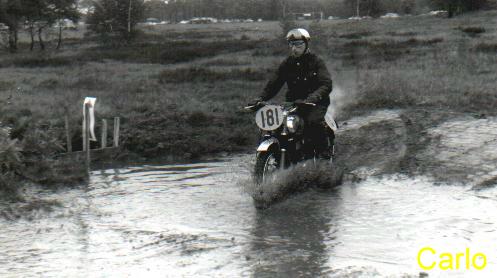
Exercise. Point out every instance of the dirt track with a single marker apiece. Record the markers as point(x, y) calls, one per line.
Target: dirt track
point(448, 146)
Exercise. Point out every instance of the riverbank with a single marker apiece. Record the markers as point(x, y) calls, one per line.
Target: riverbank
point(179, 89)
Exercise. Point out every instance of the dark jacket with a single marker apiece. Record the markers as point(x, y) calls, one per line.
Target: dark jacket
point(307, 79)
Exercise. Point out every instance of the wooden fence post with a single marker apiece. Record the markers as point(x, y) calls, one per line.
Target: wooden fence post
point(68, 134)
point(116, 131)
point(85, 131)
point(104, 134)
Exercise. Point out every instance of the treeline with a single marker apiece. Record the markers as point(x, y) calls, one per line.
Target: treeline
point(118, 18)
point(176, 10)
point(35, 16)
point(460, 6)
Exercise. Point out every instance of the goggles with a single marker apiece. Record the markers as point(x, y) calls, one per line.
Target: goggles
point(296, 43)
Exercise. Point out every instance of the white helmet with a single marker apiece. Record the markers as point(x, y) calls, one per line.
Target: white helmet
point(298, 34)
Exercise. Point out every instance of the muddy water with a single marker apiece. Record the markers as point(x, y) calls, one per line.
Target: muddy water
point(196, 220)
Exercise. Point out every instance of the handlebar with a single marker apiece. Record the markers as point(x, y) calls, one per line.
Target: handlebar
point(263, 103)
point(251, 108)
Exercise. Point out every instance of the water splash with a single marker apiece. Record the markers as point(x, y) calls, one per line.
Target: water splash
point(295, 179)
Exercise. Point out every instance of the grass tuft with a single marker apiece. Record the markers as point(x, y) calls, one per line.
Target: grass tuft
point(166, 52)
point(198, 74)
point(472, 30)
point(198, 118)
point(355, 35)
point(392, 44)
point(38, 62)
point(6, 85)
point(486, 47)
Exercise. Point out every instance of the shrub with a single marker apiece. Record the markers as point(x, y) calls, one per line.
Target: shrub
point(36, 62)
point(392, 44)
point(50, 83)
point(224, 62)
point(6, 85)
point(198, 118)
point(275, 47)
point(167, 52)
point(487, 47)
point(27, 151)
point(355, 35)
point(402, 34)
point(418, 42)
point(186, 51)
point(472, 31)
point(10, 153)
point(90, 83)
point(10, 161)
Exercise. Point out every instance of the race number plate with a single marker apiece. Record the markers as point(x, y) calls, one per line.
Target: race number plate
point(269, 117)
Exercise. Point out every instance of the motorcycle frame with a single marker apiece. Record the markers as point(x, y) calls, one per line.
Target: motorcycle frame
point(279, 139)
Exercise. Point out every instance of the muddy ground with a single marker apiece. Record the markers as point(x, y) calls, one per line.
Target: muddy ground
point(451, 147)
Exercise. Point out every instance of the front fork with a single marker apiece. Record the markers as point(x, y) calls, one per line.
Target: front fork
point(283, 159)
point(270, 142)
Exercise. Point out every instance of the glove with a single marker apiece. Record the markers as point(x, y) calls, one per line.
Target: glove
point(299, 102)
point(312, 99)
point(304, 102)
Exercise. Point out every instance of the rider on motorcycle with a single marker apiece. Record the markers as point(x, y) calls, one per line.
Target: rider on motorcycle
point(308, 81)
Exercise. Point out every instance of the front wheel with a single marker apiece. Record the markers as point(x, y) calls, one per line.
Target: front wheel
point(267, 163)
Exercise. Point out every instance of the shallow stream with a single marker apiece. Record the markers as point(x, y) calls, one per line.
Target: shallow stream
point(197, 220)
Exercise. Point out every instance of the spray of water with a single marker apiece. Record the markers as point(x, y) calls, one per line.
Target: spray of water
point(340, 98)
point(293, 180)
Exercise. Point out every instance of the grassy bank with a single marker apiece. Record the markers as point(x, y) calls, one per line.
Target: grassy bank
point(179, 88)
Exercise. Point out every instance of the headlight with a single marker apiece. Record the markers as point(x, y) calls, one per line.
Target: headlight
point(293, 123)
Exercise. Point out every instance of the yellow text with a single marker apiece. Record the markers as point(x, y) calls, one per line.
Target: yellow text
point(447, 261)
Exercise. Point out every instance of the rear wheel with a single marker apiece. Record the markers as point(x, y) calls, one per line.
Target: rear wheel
point(266, 164)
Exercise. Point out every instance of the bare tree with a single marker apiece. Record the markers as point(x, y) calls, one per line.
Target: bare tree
point(11, 14)
point(41, 14)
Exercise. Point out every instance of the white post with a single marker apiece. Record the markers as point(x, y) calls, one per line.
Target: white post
point(87, 140)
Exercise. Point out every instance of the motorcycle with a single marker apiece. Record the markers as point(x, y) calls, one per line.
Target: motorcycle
point(282, 141)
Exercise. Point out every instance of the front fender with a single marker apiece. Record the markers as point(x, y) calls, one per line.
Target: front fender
point(266, 144)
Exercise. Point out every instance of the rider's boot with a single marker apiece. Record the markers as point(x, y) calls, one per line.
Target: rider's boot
point(328, 153)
